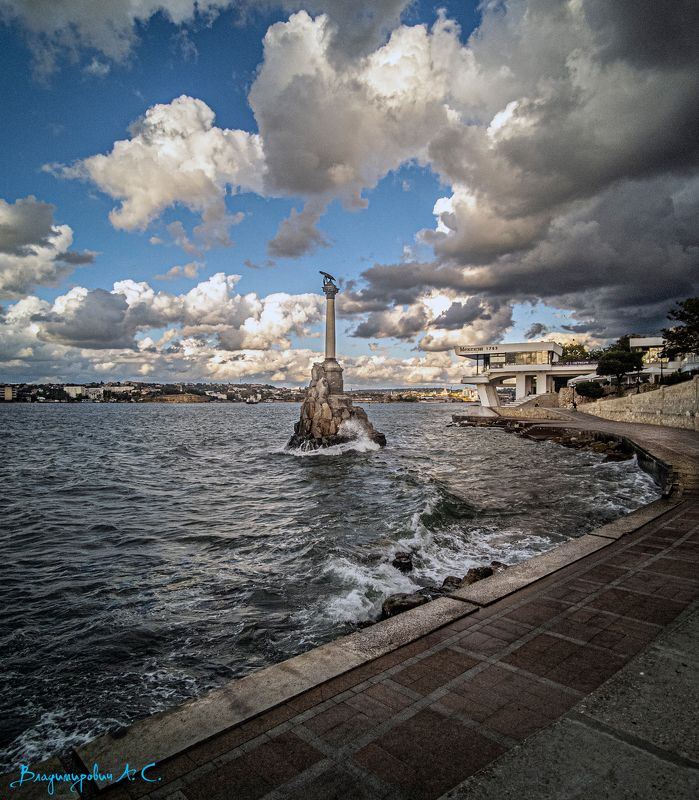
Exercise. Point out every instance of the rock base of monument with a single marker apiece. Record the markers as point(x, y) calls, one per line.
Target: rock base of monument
point(328, 418)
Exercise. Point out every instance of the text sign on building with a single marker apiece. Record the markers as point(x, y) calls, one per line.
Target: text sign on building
point(480, 349)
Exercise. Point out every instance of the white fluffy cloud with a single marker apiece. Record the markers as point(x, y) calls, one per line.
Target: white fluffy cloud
point(212, 312)
point(212, 334)
point(59, 28)
point(176, 155)
point(33, 250)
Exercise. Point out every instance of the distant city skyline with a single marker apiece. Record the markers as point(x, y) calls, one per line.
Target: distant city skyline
point(175, 174)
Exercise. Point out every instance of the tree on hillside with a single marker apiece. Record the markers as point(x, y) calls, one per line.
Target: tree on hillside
point(683, 338)
point(574, 352)
point(618, 363)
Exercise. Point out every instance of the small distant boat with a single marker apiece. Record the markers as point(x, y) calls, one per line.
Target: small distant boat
point(252, 401)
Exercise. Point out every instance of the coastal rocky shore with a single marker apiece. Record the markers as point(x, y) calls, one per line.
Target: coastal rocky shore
point(610, 446)
point(397, 603)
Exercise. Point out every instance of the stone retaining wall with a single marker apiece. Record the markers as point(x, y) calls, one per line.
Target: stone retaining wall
point(674, 406)
point(527, 412)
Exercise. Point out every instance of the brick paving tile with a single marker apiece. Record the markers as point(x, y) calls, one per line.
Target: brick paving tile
point(281, 758)
point(537, 611)
point(468, 706)
point(655, 609)
point(388, 696)
point(564, 662)
point(335, 715)
point(622, 636)
point(574, 591)
point(628, 558)
point(234, 780)
point(676, 567)
point(256, 773)
point(510, 703)
point(221, 744)
point(492, 638)
point(651, 583)
point(342, 723)
point(371, 707)
point(465, 622)
point(427, 754)
point(334, 784)
point(688, 551)
point(434, 671)
point(603, 573)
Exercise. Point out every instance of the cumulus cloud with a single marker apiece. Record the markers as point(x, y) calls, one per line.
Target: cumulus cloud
point(335, 129)
point(176, 155)
point(437, 321)
point(297, 234)
point(33, 250)
point(189, 270)
point(57, 28)
point(212, 311)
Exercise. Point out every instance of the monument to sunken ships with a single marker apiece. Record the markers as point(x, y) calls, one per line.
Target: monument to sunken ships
point(327, 414)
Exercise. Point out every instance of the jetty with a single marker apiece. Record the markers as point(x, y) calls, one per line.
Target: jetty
point(572, 674)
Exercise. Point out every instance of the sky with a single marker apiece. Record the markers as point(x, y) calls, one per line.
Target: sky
point(173, 174)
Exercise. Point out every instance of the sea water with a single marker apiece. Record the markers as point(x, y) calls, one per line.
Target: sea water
point(151, 552)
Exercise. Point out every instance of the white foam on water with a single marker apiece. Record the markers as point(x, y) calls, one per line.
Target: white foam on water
point(359, 443)
point(50, 735)
point(367, 588)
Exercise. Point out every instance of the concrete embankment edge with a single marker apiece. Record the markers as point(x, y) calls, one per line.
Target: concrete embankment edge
point(161, 736)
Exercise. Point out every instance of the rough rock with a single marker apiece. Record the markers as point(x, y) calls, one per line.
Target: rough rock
point(498, 566)
point(403, 561)
point(476, 574)
point(451, 583)
point(327, 416)
point(398, 603)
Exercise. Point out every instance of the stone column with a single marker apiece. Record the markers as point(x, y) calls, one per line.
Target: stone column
point(333, 370)
point(521, 389)
point(330, 291)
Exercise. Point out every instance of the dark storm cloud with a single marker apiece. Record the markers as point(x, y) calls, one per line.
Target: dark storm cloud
point(618, 261)
point(393, 323)
point(646, 33)
point(33, 250)
point(536, 329)
point(459, 314)
point(98, 322)
point(77, 259)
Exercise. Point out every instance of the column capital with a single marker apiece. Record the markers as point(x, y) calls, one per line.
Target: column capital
point(330, 290)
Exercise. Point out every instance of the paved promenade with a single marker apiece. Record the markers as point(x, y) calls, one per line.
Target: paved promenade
point(570, 682)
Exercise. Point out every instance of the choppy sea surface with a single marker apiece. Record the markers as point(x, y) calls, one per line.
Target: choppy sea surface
point(152, 552)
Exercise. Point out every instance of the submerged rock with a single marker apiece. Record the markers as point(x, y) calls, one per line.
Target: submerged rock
point(403, 561)
point(398, 603)
point(498, 566)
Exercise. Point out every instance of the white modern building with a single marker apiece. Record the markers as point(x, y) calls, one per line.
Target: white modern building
point(655, 359)
point(533, 366)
